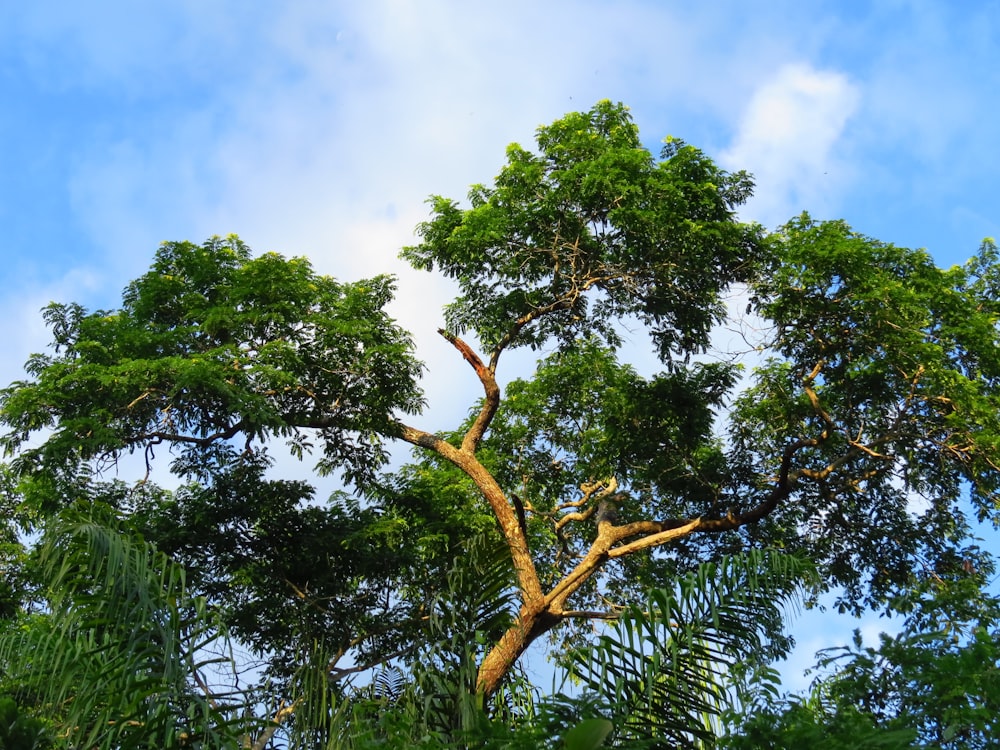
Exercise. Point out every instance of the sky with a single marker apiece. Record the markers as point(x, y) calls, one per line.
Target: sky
point(319, 128)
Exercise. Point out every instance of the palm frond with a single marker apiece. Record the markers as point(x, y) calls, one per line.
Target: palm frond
point(670, 668)
point(118, 658)
point(476, 606)
point(429, 698)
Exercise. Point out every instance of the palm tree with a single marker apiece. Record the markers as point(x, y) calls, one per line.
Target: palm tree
point(121, 655)
point(666, 674)
point(670, 671)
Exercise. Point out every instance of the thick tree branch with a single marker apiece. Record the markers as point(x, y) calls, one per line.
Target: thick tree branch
point(491, 401)
point(656, 534)
point(524, 566)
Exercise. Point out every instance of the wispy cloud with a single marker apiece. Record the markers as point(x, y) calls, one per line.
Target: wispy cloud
point(331, 141)
point(790, 138)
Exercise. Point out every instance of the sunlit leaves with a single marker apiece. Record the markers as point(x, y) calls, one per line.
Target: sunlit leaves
point(588, 230)
point(213, 344)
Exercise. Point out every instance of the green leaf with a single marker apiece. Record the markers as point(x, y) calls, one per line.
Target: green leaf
point(588, 734)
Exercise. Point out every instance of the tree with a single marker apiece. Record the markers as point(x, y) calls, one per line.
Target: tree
point(120, 655)
point(873, 411)
point(940, 675)
point(220, 351)
point(935, 683)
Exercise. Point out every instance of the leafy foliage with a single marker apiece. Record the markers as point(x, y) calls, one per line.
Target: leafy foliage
point(867, 439)
point(663, 676)
point(430, 699)
point(804, 724)
point(19, 731)
point(940, 675)
point(212, 344)
point(588, 230)
point(669, 668)
point(213, 353)
point(118, 658)
point(15, 585)
point(284, 569)
point(884, 383)
point(935, 683)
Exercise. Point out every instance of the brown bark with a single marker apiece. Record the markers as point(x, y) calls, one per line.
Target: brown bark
point(541, 611)
point(524, 566)
point(539, 616)
point(532, 621)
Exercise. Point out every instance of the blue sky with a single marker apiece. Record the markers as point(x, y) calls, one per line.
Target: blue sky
point(319, 128)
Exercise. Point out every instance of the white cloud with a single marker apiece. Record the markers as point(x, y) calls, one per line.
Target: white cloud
point(323, 131)
point(330, 145)
point(332, 136)
point(791, 137)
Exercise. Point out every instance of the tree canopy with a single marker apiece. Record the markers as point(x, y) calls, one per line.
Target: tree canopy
point(860, 428)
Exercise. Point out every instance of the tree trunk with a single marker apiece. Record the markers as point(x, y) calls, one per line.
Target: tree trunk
point(532, 621)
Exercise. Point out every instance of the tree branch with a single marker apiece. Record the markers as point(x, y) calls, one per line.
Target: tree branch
point(589, 489)
point(171, 437)
point(492, 393)
point(563, 303)
point(280, 716)
point(524, 565)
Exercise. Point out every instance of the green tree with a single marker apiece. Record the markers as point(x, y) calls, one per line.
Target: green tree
point(874, 410)
point(220, 351)
point(121, 655)
point(940, 675)
point(935, 683)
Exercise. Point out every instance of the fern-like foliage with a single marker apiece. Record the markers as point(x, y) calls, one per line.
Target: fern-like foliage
point(428, 698)
point(668, 670)
point(389, 683)
point(472, 612)
point(122, 655)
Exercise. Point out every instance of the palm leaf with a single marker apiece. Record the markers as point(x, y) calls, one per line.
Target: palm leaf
point(116, 659)
point(476, 606)
point(429, 698)
point(669, 669)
